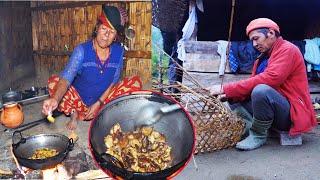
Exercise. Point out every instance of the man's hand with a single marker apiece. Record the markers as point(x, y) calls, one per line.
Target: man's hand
point(93, 110)
point(49, 105)
point(215, 90)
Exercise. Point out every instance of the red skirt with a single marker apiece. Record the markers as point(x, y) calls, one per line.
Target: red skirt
point(72, 101)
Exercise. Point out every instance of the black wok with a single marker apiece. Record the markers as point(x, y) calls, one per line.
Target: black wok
point(177, 127)
point(23, 148)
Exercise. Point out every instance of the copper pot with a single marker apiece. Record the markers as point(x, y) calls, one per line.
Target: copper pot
point(12, 115)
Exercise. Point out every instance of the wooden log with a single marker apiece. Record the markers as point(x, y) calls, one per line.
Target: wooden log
point(92, 174)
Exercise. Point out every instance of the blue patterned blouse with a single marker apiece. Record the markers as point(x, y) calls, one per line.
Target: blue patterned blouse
point(90, 78)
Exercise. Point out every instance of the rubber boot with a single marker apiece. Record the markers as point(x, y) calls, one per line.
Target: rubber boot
point(247, 118)
point(257, 135)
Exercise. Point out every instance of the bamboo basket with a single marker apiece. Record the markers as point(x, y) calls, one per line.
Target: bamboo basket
point(216, 126)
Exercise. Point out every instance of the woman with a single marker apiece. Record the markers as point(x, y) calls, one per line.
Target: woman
point(91, 77)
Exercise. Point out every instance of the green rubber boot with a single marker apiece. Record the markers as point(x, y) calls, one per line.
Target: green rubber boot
point(247, 118)
point(257, 135)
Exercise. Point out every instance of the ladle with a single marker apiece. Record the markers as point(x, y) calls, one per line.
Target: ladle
point(150, 114)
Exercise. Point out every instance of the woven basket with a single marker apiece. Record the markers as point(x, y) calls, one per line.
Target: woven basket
point(216, 126)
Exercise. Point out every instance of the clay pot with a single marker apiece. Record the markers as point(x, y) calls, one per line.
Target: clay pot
point(12, 115)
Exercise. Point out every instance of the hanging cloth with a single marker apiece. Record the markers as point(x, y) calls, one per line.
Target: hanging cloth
point(187, 31)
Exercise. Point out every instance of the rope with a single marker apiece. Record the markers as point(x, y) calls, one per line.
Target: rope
point(229, 40)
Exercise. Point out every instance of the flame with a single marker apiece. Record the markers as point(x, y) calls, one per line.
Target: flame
point(23, 170)
point(58, 172)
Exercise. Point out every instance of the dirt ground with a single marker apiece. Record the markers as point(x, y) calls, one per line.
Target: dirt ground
point(271, 161)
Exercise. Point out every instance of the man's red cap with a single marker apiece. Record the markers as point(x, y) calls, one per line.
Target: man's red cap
point(262, 23)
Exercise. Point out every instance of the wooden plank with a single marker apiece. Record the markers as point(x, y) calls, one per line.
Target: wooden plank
point(203, 63)
point(201, 47)
point(138, 54)
point(79, 4)
point(202, 56)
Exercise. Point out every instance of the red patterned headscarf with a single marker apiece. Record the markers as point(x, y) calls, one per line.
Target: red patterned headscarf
point(113, 17)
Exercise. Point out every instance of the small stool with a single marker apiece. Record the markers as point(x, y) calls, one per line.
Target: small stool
point(287, 140)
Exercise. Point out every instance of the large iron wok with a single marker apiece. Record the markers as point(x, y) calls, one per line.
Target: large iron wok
point(23, 148)
point(177, 127)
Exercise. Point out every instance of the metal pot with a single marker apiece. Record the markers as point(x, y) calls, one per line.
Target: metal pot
point(177, 127)
point(25, 147)
point(11, 96)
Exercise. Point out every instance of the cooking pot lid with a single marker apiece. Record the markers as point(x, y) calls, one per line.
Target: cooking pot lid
point(11, 96)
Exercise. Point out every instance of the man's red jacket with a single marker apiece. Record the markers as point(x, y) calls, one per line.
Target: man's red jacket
point(286, 72)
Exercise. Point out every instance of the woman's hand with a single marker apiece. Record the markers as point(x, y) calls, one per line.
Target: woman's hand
point(49, 105)
point(93, 110)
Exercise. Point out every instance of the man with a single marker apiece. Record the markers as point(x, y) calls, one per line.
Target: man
point(92, 75)
point(277, 92)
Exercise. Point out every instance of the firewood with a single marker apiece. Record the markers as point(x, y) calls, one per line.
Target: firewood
point(74, 136)
point(92, 174)
point(6, 172)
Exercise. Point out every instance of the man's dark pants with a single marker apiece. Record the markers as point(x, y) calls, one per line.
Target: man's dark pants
point(267, 104)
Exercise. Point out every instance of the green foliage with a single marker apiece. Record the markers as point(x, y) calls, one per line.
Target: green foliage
point(157, 45)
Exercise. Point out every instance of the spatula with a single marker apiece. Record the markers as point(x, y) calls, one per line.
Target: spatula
point(150, 114)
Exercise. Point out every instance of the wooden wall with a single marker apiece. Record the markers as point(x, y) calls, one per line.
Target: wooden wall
point(15, 44)
point(203, 64)
point(57, 27)
point(139, 58)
